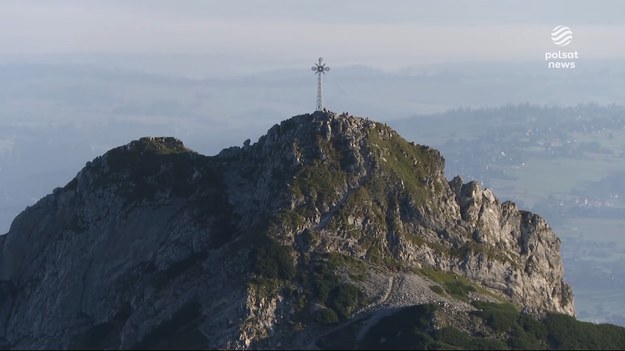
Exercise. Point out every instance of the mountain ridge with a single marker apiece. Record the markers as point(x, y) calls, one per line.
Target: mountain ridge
point(325, 219)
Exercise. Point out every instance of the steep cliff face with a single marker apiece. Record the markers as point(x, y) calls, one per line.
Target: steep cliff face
point(325, 218)
point(512, 251)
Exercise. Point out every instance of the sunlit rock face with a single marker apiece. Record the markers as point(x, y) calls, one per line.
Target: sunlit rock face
point(326, 217)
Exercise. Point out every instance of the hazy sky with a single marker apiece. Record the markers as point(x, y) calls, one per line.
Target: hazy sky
point(218, 39)
point(252, 36)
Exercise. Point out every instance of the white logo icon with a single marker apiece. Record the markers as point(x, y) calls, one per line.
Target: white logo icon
point(561, 35)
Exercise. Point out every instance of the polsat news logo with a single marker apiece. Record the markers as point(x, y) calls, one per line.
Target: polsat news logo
point(561, 36)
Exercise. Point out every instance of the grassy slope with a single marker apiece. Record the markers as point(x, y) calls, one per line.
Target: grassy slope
point(503, 328)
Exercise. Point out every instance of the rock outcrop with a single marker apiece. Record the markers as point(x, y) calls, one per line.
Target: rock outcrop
point(152, 245)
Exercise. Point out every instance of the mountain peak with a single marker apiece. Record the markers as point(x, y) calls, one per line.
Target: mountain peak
point(327, 217)
point(160, 145)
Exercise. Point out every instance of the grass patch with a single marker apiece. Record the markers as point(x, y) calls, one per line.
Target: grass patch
point(411, 164)
point(451, 338)
point(453, 284)
point(413, 328)
point(356, 268)
point(556, 331)
point(500, 317)
point(437, 289)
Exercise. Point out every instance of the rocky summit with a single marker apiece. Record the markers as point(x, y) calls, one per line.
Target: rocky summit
point(330, 231)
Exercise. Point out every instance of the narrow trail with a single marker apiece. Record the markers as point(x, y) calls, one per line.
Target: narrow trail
point(373, 320)
point(364, 313)
point(389, 290)
point(383, 299)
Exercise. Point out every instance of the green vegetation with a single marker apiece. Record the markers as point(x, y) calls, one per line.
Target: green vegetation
point(410, 164)
point(321, 179)
point(527, 333)
point(288, 219)
point(378, 255)
point(344, 299)
point(566, 333)
point(500, 317)
point(319, 182)
point(149, 167)
point(273, 261)
point(356, 268)
point(405, 329)
point(452, 338)
point(437, 289)
point(325, 316)
point(360, 202)
point(453, 284)
point(413, 328)
point(555, 331)
point(331, 288)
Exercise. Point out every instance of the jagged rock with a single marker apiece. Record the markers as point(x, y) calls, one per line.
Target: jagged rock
point(153, 245)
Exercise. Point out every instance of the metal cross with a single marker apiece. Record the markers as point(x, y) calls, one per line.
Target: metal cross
point(320, 68)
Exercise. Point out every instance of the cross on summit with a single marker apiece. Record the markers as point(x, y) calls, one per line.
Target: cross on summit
point(320, 69)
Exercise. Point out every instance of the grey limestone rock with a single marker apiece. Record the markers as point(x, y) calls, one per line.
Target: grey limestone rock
point(152, 245)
